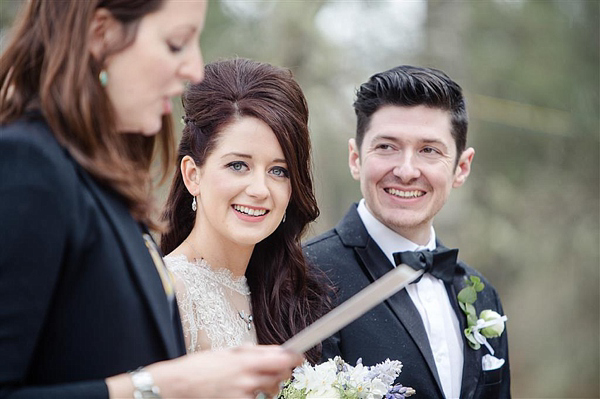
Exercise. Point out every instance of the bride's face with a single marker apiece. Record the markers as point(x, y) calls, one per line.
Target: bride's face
point(244, 185)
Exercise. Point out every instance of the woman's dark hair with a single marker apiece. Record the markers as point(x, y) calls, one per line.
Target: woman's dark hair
point(47, 66)
point(287, 294)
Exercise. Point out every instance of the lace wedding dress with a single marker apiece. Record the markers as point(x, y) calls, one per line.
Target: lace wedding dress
point(214, 305)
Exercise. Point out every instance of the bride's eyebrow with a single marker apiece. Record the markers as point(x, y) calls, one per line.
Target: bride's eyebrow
point(248, 156)
point(237, 154)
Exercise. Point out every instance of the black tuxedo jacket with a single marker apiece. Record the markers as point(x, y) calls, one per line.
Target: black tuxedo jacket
point(80, 296)
point(394, 329)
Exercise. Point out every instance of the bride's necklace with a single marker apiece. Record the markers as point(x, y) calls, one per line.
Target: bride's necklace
point(247, 319)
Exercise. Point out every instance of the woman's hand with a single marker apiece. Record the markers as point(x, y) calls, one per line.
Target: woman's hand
point(241, 372)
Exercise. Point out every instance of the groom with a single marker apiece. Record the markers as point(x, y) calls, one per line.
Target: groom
point(408, 154)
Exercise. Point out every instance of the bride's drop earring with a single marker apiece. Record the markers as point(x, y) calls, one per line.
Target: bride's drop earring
point(194, 206)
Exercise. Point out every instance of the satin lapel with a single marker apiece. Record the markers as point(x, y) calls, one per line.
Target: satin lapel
point(140, 262)
point(376, 264)
point(472, 358)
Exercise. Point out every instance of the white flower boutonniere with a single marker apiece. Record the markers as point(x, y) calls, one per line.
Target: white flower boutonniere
point(489, 324)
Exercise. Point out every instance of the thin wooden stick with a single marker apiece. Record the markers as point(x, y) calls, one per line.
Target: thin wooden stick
point(373, 294)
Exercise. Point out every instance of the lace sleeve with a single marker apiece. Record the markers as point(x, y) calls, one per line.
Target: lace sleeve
point(186, 307)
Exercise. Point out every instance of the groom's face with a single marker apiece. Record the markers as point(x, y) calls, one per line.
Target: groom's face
point(407, 166)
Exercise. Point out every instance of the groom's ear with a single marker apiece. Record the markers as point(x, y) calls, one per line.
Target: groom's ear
point(191, 175)
point(463, 168)
point(354, 159)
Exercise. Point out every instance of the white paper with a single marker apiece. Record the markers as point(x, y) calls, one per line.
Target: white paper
point(370, 296)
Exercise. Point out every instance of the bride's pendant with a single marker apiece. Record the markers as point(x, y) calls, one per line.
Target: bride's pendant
point(247, 319)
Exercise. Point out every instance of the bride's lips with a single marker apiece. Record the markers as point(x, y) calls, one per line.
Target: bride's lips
point(249, 213)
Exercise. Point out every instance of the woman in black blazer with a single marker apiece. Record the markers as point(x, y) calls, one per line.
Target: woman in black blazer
point(84, 295)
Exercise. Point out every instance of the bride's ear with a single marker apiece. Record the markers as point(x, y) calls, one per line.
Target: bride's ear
point(191, 175)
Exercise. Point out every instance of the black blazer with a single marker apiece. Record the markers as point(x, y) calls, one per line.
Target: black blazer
point(394, 329)
point(80, 296)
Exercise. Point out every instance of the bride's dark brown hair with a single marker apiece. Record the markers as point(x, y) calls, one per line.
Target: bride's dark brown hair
point(287, 294)
point(47, 66)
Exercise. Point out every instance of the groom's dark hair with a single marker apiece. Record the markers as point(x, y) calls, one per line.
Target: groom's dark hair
point(409, 86)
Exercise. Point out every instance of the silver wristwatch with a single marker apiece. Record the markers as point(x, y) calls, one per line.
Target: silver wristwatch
point(143, 385)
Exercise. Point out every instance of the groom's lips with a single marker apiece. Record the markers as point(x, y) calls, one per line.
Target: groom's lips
point(405, 193)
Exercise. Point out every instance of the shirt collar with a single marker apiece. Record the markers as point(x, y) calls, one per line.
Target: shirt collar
point(388, 240)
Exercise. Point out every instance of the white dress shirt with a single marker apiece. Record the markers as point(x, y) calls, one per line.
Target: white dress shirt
point(431, 300)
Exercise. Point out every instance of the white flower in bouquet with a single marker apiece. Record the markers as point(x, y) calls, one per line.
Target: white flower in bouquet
point(318, 381)
point(377, 389)
point(337, 379)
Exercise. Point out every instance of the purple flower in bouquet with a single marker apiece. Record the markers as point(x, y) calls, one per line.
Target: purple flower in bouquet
point(399, 392)
point(386, 371)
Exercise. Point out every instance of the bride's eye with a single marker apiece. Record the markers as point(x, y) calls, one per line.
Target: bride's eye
point(237, 166)
point(280, 171)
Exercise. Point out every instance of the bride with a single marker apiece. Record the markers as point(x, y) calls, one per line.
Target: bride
point(238, 209)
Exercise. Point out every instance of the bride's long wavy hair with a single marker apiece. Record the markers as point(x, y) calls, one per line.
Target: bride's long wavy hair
point(287, 293)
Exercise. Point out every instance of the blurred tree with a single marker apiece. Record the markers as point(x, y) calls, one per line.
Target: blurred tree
point(535, 185)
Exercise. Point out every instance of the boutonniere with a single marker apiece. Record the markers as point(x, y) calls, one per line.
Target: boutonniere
point(489, 324)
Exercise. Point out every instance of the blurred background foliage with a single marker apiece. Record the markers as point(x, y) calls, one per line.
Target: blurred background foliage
point(529, 216)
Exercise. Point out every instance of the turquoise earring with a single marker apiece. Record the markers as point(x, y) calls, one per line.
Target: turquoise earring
point(103, 77)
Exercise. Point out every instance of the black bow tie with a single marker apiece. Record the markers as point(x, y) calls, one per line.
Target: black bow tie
point(440, 263)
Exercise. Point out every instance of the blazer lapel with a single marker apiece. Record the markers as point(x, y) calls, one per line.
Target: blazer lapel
point(141, 263)
point(375, 264)
point(471, 358)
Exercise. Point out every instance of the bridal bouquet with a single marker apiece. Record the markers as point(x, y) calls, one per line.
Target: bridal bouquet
point(336, 379)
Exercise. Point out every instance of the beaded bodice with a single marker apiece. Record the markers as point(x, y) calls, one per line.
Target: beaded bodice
point(210, 302)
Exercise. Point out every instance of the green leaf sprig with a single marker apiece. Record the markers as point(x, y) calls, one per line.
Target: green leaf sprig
point(466, 298)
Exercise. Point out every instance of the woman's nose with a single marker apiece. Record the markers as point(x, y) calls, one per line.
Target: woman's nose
point(257, 187)
point(193, 68)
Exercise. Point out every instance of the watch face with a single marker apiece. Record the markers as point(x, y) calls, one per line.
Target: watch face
point(144, 385)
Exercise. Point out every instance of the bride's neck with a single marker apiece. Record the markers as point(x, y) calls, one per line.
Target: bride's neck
point(219, 254)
